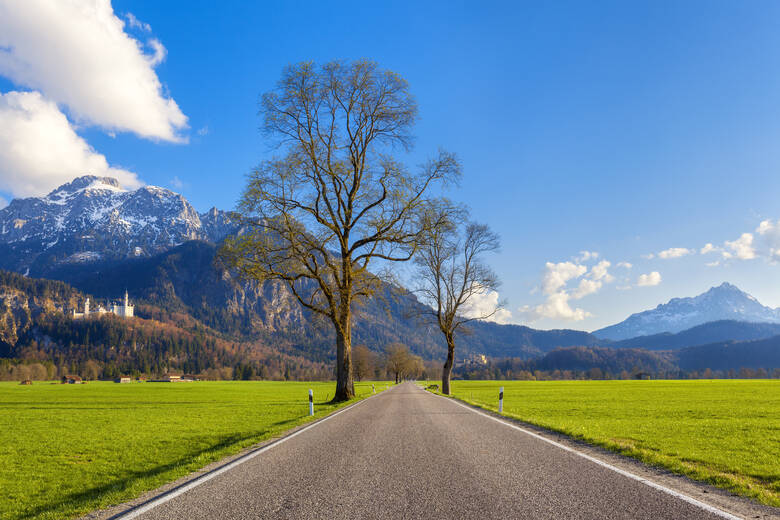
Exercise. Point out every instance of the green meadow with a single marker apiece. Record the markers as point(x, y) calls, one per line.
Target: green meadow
point(69, 449)
point(724, 432)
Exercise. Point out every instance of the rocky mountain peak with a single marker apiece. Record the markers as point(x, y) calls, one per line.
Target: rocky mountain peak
point(94, 218)
point(724, 302)
point(84, 183)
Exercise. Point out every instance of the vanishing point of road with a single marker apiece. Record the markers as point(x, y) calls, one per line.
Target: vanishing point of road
point(406, 453)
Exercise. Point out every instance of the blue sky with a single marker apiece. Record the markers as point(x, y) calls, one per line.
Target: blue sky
point(618, 128)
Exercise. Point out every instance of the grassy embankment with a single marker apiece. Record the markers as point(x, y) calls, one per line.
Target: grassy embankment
point(724, 432)
point(69, 449)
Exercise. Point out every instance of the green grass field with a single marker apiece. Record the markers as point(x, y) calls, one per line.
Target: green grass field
point(724, 432)
point(69, 449)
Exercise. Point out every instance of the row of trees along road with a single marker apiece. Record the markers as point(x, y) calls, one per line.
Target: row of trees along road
point(396, 361)
point(336, 200)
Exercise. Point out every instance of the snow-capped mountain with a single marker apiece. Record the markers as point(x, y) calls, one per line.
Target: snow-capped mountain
point(94, 218)
point(725, 302)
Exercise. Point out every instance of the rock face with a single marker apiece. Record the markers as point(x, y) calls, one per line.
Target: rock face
point(94, 218)
point(725, 302)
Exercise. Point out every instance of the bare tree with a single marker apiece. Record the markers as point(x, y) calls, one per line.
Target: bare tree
point(413, 367)
point(336, 199)
point(397, 360)
point(451, 274)
point(364, 362)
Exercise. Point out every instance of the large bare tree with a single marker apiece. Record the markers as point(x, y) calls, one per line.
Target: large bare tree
point(451, 275)
point(336, 199)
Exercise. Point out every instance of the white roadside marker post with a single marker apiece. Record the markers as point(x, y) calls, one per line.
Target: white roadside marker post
point(501, 400)
point(373, 390)
point(311, 402)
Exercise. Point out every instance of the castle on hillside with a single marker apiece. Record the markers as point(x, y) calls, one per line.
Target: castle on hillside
point(123, 309)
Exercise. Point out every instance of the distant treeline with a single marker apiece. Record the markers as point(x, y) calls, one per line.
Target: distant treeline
point(525, 370)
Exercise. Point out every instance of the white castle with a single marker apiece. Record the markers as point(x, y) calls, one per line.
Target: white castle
point(124, 310)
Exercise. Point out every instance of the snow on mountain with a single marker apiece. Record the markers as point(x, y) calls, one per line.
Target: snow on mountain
point(725, 302)
point(94, 217)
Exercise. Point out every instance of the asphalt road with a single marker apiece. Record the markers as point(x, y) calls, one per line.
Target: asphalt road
point(408, 454)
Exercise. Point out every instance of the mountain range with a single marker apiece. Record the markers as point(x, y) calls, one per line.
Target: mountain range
point(102, 239)
point(95, 218)
point(724, 302)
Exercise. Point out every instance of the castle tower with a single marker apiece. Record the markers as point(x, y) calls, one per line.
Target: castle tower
point(86, 308)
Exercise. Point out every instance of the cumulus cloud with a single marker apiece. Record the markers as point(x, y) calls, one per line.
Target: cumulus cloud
point(586, 287)
point(556, 275)
point(482, 304)
point(39, 150)
point(555, 279)
point(78, 54)
point(649, 279)
point(648, 256)
point(584, 256)
point(674, 252)
point(708, 248)
point(770, 236)
point(556, 307)
point(741, 248)
point(599, 272)
point(135, 23)
point(625, 265)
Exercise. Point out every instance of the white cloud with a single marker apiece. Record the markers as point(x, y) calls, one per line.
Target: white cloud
point(708, 248)
point(160, 52)
point(554, 282)
point(176, 183)
point(770, 236)
point(556, 307)
point(585, 288)
point(39, 150)
point(741, 248)
point(716, 263)
point(77, 54)
point(648, 256)
point(204, 130)
point(3, 203)
point(649, 280)
point(135, 23)
point(556, 275)
point(674, 252)
point(584, 256)
point(482, 304)
point(625, 265)
point(599, 272)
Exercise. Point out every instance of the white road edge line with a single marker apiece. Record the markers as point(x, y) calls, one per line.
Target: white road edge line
point(712, 509)
point(166, 497)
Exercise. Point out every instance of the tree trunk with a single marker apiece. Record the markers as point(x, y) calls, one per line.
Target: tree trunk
point(446, 373)
point(345, 388)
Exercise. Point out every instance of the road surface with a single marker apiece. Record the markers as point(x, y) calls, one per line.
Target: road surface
point(407, 454)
